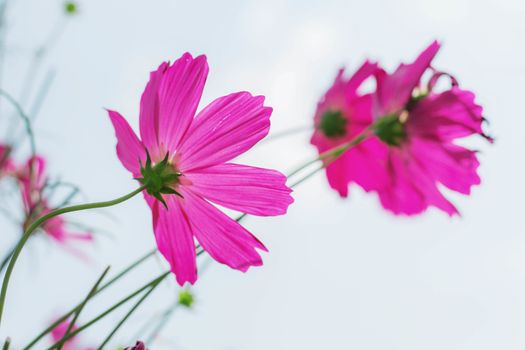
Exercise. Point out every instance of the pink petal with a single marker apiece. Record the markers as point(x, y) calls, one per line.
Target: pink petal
point(428, 186)
point(366, 70)
point(337, 176)
point(394, 90)
point(452, 165)
point(365, 164)
point(243, 188)
point(412, 189)
point(149, 109)
point(130, 150)
point(226, 128)
point(222, 237)
point(169, 113)
point(401, 196)
point(175, 238)
point(448, 115)
point(31, 186)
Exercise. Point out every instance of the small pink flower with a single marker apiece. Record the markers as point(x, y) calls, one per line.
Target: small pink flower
point(32, 180)
point(342, 114)
point(182, 157)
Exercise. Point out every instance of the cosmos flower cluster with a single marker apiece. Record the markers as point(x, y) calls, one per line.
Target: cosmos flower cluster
point(413, 129)
point(402, 141)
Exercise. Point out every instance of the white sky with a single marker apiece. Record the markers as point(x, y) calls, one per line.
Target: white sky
point(340, 274)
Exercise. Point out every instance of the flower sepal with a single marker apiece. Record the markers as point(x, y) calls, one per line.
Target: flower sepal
point(160, 178)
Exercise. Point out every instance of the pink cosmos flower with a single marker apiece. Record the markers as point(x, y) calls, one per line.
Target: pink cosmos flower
point(418, 128)
point(414, 150)
point(342, 114)
point(183, 158)
point(32, 179)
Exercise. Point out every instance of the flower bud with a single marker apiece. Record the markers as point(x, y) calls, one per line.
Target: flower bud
point(70, 7)
point(186, 298)
point(138, 346)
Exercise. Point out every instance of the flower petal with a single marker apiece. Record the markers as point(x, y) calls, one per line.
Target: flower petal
point(243, 188)
point(174, 238)
point(453, 166)
point(179, 92)
point(130, 150)
point(149, 109)
point(366, 70)
point(394, 90)
point(226, 128)
point(412, 189)
point(448, 115)
point(222, 237)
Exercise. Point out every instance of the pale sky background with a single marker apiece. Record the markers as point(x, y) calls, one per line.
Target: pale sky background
point(341, 274)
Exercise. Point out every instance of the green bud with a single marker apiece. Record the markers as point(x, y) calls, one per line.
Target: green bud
point(70, 7)
point(186, 298)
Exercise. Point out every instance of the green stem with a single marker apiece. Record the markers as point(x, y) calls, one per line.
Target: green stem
point(114, 307)
point(130, 312)
point(331, 155)
point(7, 344)
point(79, 309)
point(106, 285)
point(41, 221)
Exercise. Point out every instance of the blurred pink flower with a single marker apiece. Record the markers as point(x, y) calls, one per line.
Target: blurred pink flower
point(32, 179)
point(342, 114)
point(415, 129)
point(58, 333)
point(187, 167)
point(418, 128)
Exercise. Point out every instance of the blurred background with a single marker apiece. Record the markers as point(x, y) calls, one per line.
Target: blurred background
point(341, 274)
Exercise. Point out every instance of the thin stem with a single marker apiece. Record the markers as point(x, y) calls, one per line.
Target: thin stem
point(114, 307)
point(284, 133)
point(25, 119)
point(166, 316)
point(303, 166)
point(335, 152)
point(130, 312)
point(81, 307)
point(38, 57)
point(42, 94)
point(307, 176)
point(41, 221)
point(104, 286)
